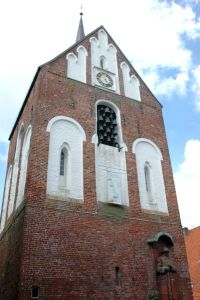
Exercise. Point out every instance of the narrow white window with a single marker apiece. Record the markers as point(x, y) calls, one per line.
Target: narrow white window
point(15, 170)
point(5, 200)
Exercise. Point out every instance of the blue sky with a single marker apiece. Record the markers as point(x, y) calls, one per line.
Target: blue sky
point(160, 38)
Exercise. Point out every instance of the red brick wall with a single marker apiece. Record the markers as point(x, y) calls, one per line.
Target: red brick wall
point(11, 244)
point(71, 250)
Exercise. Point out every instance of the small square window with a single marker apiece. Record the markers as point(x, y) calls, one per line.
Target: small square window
point(34, 292)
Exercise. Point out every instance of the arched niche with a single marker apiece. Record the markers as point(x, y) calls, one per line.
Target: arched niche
point(65, 133)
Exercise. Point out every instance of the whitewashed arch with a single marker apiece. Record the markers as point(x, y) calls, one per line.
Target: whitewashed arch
point(24, 165)
point(15, 170)
point(58, 118)
point(5, 199)
point(118, 116)
point(139, 140)
point(148, 154)
point(65, 132)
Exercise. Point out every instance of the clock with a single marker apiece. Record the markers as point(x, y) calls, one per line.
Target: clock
point(104, 79)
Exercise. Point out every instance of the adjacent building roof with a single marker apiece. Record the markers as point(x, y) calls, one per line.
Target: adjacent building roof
point(192, 242)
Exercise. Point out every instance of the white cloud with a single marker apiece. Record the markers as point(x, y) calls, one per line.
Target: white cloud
point(187, 181)
point(159, 40)
point(196, 86)
point(3, 157)
point(3, 152)
point(12, 93)
point(166, 86)
point(158, 30)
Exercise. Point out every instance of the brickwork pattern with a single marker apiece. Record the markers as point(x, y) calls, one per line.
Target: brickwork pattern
point(71, 250)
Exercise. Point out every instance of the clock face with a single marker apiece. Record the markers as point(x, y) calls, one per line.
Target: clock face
point(104, 79)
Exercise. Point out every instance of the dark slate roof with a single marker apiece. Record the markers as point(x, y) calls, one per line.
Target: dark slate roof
point(80, 33)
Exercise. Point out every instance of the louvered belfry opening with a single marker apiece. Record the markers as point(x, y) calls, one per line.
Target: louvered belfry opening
point(107, 130)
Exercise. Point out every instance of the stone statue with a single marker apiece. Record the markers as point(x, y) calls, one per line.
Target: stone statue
point(164, 264)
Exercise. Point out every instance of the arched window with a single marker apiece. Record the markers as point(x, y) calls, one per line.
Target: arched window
point(65, 168)
point(15, 170)
point(65, 162)
point(24, 165)
point(107, 127)
point(148, 181)
point(147, 178)
point(102, 62)
point(62, 163)
point(5, 200)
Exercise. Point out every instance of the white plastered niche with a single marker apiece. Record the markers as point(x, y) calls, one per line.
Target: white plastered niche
point(15, 170)
point(76, 67)
point(65, 131)
point(110, 165)
point(24, 166)
point(131, 83)
point(148, 153)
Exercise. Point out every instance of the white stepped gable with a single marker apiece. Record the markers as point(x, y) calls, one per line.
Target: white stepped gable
point(101, 50)
point(131, 83)
point(150, 176)
point(76, 67)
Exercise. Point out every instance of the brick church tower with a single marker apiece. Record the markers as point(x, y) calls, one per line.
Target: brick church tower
point(89, 208)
